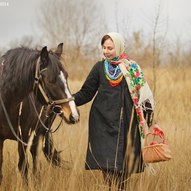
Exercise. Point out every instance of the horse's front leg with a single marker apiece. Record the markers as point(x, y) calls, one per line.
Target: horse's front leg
point(34, 152)
point(51, 153)
point(1, 159)
point(23, 160)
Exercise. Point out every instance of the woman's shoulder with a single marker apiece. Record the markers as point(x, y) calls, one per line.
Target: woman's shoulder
point(97, 67)
point(98, 64)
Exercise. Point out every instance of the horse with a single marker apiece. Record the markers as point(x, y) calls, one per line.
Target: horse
point(24, 72)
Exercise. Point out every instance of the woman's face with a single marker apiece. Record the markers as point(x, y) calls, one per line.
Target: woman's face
point(108, 49)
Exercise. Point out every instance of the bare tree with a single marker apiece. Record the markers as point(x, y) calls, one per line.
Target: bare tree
point(160, 27)
point(76, 23)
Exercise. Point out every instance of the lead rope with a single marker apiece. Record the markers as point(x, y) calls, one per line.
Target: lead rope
point(10, 124)
point(58, 126)
point(35, 109)
point(39, 118)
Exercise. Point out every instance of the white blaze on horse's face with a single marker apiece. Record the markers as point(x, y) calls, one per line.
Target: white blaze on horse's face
point(71, 110)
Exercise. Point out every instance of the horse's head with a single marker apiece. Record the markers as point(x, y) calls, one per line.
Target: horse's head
point(51, 81)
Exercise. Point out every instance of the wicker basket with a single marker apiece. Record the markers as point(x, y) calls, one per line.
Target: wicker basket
point(156, 150)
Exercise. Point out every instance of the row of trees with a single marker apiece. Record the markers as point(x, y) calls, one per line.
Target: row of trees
point(80, 25)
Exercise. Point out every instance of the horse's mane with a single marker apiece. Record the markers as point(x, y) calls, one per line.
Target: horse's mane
point(20, 64)
point(17, 58)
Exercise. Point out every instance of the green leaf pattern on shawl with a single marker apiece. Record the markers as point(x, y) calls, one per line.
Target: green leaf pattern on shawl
point(136, 82)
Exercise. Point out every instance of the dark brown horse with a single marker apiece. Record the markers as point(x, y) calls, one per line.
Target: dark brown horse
point(41, 74)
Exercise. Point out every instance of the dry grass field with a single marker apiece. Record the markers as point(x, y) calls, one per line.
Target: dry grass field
point(173, 114)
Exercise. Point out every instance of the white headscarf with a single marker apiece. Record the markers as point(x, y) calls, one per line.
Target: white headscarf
point(118, 41)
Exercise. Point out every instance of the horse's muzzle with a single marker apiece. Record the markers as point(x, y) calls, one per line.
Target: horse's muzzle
point(74, 118)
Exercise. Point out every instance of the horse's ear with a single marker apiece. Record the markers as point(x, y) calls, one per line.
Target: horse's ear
point(44, 55)
point(59, 49)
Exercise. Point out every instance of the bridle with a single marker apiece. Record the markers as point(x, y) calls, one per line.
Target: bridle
point(39, 84)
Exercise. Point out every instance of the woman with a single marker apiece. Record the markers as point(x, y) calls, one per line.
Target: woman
point(114, 143)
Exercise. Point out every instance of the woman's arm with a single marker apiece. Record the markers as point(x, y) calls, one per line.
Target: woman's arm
point(148, 113)
point(89, 88)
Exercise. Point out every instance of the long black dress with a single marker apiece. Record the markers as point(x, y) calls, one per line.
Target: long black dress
point(108, 132)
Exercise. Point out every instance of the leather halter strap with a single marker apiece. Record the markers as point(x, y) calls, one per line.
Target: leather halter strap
point(46, 98)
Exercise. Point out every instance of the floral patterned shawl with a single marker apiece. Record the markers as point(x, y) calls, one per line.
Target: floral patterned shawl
point(140, 92)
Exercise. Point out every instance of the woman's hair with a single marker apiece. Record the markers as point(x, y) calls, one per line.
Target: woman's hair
point(105, 37)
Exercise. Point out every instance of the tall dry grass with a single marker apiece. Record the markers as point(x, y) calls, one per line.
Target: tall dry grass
point(173, 106)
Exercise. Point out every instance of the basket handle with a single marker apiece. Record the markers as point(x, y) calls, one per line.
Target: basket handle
point(156, 132)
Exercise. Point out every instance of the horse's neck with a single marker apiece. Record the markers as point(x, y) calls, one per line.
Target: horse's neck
point(15, 87)
point(12, 97)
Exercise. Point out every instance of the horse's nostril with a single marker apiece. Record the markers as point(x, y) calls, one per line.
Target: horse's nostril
point(74, 119)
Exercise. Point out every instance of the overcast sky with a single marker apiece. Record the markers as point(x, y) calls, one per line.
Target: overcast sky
point(19, 18)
